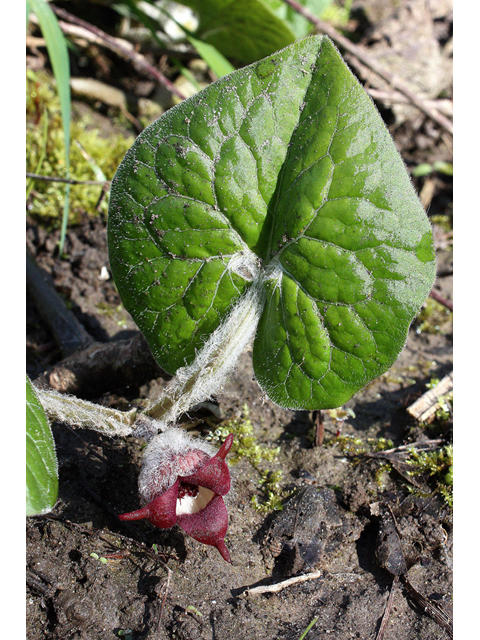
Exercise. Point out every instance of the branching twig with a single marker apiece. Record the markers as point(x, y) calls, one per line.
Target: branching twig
point(116, 45)
point(372, 64)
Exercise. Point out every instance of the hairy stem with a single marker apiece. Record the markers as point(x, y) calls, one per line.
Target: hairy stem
point(88, 415)
point(206, 375)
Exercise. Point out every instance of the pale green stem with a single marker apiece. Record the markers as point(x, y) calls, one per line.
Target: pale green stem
point(81, 413)
point(206, 375)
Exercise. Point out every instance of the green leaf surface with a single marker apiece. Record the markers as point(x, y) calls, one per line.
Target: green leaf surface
point(281, 176)
point(245, 31)
point(42, 475)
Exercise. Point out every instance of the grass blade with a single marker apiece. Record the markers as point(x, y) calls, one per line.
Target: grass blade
point(58, 54)
point(212, 56)
point(214, 59)
point(308, 629)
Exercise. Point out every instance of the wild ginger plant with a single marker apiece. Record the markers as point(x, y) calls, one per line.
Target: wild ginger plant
point(270, 206)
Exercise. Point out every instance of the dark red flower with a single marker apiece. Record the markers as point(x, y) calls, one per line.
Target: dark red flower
point(182, 483)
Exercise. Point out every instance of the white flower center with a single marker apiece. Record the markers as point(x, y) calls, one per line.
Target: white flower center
point(193, 504)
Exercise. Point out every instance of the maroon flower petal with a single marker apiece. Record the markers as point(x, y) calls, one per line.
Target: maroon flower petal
point(208, 526)
point(214, 474)
point(161, 511)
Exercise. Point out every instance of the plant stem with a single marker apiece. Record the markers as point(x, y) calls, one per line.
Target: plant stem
point(88, 415)
point(206, 375)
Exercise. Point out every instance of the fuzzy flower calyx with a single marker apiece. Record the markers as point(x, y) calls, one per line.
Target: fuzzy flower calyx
point(183, 482)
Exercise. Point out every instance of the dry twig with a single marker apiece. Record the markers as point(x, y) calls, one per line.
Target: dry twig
point(388, 609)
point(436, 296)
point(37, 176)
point(429, 607)
point(121, 47)
point(278, 586)
point(425, 407)
point(165, 587)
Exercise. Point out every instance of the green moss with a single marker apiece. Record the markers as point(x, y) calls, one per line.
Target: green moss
point(382, 472)
point(432, 318)
point(245, 445)
point(273, 496)
point(445, 411)
point(444, 221)
point(93, 157)
point(354, 446)
point(437, 467)
point(349, 445)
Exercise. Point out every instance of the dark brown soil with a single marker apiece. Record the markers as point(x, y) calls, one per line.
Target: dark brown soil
point(92, 577)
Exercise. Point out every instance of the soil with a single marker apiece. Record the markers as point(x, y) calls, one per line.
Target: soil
point(90, 576)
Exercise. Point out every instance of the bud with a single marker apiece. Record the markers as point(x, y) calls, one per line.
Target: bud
point(183, 482)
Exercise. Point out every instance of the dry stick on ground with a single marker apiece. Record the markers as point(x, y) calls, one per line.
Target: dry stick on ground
point(398, 456)
point(275, 588)
point(120, 47)
point(388, 609)
point(425, 407)
point(442, 105)
point(371, 63)
point(446, 303)
point(429, 607)
point(166, 587)
point(105, 184)
point(37, 176)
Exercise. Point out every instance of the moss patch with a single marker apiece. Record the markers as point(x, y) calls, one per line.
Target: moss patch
point(92, 156)
point(245, 445)
point(433, 318)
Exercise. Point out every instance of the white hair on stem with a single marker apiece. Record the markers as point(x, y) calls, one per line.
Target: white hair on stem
point(87, 415)
point(203, 378)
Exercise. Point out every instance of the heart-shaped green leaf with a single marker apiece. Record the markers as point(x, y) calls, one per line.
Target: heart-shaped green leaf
point(42, 477)
point(280, 176)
